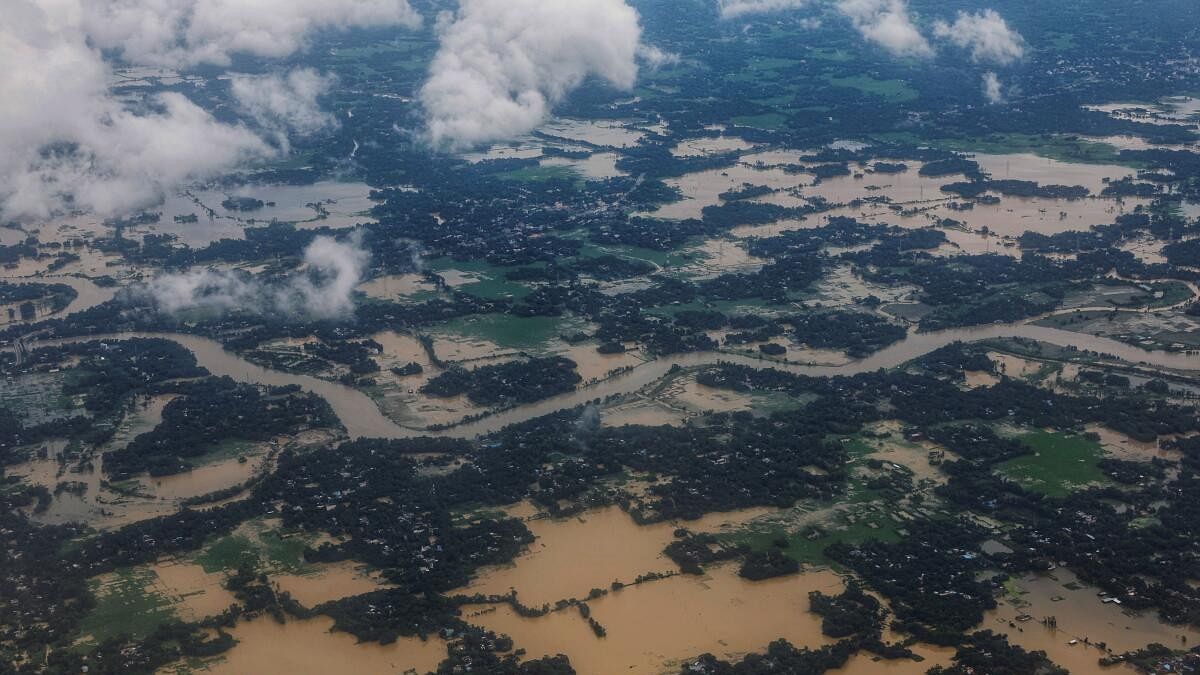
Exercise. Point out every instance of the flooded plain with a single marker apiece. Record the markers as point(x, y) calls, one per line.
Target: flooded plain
point(310, 647)
point(200, 216)
point(619, 550)
point(907, 198)
point(1080, 615)
point(655, 626)
point(651, 625)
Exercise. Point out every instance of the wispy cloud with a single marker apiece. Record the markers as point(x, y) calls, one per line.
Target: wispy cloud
point(71, 144)
point(322, 289)
point(986, 34)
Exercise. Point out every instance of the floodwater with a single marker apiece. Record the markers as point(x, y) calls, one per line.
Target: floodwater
point(88, 293)
point(700, 147)
point(1130, 142)
point(396, 287)
point(1080, 613)
point(603, 133)
point(618, 550)
point(194, 593)
point(340, 205)
point(654, 627)
point(332, 581)
point(309, 647)
point(597, 166)
point(1025, 166)
point(1120, 446)
point(362, 417)
point(651, 625)
point(1169, 110)
point(911, 200)
point(97, 505)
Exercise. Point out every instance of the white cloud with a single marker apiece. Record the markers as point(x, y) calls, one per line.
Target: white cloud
point(888, 24)
point(70, 144)
point(177, 33)
point(285, 103)
point(323, 290)
point(986, 34)
point(731, 9)
point(502, 65)
point(992, 89)
point(655, 58)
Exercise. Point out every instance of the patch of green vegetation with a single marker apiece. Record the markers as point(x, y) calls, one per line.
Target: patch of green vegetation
point(541, 173)
point(227, 449)
point(1061, 463)
point(489, 282)
point(895, 91)
point(1051, 146)
point(272, 548)
point(808, 544)
point(227, 553)
point(510, 332)
point(37, 397)
point(766, 121)
point(126, 605)
point(726, 306)
point(1174, 292)
point(284, 551)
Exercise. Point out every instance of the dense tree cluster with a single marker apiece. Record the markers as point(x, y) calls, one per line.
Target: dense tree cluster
point(522, 381)
point(212, 410)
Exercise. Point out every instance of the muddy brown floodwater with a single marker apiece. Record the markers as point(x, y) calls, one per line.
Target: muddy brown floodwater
point(618, 549)
point(309, 648)
point(652, 625)
point(1080, 614)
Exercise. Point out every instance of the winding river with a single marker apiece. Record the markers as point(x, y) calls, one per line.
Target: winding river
point(362, 417)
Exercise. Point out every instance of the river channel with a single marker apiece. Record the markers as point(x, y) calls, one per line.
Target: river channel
point(362, 417)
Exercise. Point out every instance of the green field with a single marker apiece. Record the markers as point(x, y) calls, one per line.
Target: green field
point(1058, 147)
point(895, 91)
point(541, 173)
point(126, 606)
point(271, 548)
point(508, 331)
point(766, 121)
point(1062, 463)
point(490, 282)
point(812, 550)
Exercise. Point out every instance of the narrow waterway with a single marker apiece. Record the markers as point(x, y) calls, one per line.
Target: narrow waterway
point(362, 417)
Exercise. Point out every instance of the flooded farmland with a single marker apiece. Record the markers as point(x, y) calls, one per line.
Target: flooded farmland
point(1081, 618)
point(907, 198)
point(655, 625)
point(650, 625)
point(309, 647)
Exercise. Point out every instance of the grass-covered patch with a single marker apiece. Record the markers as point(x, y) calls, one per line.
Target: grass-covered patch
point(766, 121)
point(510, 332)
point(895, 91)
point(1061, 463)
point(808, 543)
point(484, 280)
point(541, 173)
point(126, 604)
point(258, 543)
